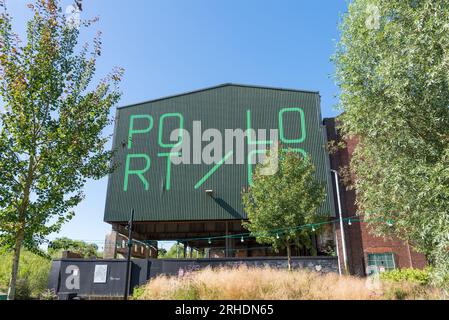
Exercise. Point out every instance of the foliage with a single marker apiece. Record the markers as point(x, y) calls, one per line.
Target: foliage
point(394, 82)
point(329, 248)
point(48, 294)
point(284, 200)
point(80, 247)
point(51, 129)
point(33, 274)
point(411, 290)
point(408, 274)
point(245, 283)
point(172, 252)
point(138, 292)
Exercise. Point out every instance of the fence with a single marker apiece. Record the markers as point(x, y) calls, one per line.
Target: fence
point(106, 278)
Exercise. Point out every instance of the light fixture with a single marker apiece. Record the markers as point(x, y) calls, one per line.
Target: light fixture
point(210, 192)
point(350, 222)
point(209, 241)
point(390, 223)
point(313, 228)
point(277, 235)
point(242, 240)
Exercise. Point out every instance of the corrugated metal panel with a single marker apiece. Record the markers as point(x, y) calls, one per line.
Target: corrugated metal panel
point(222, 107)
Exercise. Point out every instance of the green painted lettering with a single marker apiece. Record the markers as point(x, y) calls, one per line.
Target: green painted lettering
point(133, 131)
point(248, 132)
point(168, 155)
point(302, 121)
point(161, 129)
point(139, 172)
point(250, 166)
point(215, 168)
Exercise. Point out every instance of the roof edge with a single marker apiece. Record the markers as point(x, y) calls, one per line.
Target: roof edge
point(216, 87)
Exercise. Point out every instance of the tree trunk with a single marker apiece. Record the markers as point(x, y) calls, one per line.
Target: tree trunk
point(289, 257)
point(15, 265)
point(21, 231)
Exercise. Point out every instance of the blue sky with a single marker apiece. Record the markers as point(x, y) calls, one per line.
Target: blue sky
point(168, 47)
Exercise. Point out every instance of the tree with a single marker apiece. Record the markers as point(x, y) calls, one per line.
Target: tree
point(85, 249)
point(161, 252)
point(277, 204)
point(51, 129)
point(392, 67)
point(174, 251)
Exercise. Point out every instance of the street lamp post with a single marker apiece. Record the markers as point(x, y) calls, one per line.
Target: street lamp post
point(128, 258)
point(342, 232)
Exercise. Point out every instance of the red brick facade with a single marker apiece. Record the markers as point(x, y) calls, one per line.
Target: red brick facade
point(359, 241)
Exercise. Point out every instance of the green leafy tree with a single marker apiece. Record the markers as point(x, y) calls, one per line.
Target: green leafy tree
point(173, 252)
point(51, 127)
point(162, 252)
point(278, 203)
point(392, 68)
point(80, 247)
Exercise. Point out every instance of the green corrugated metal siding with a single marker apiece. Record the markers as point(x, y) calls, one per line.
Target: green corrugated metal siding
point(222, 107)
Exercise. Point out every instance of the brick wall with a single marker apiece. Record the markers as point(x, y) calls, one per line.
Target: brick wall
point(359, 240)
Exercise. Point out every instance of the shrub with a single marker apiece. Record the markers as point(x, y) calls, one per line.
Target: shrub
point(399, 294)
point(138, 292)
point(23, 289)
point(402, 290)
point(48, 294)
point(410, 275)
point(32, 277)
point(245, 283)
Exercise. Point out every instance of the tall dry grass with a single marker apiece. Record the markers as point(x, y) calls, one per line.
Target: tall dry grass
point(245, 283)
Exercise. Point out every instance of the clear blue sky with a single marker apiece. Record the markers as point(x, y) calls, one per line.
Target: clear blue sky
point(169, 47)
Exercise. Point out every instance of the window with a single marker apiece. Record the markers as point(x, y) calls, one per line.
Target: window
point(385, 260)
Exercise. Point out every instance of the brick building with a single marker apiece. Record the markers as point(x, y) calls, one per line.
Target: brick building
point(362, 248)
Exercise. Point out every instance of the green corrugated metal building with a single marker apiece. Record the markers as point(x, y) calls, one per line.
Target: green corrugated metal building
point(170, 201)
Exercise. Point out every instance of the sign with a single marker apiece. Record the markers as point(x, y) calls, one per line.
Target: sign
point(101, 273)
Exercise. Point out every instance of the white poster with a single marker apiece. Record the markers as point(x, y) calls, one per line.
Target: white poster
point(101, 273)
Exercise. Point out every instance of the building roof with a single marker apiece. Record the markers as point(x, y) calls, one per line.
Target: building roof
point(216, 87)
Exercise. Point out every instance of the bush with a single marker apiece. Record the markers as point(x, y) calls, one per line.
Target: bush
point(138, 292)
point(23, 289)
point(32, 277)
point(245, 283)
point(48, 294)
point(418, 276)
